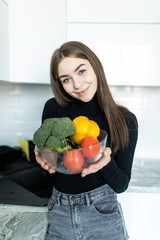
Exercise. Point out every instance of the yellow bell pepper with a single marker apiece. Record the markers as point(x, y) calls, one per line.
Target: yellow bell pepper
point(84, 128)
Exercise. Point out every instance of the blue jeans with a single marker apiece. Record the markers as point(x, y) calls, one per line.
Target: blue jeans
point(87, 216)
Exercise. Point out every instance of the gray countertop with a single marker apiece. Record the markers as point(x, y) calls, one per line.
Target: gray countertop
point(145, 176)
point(22, 222)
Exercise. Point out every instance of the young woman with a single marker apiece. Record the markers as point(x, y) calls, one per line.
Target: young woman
point(85, 206)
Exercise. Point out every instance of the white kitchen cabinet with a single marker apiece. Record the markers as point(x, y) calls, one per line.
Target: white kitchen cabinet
point(4, 47)
point(130, 53)
point(36, 29)
point(142, 214)
point(124, 34)
point(115, 11)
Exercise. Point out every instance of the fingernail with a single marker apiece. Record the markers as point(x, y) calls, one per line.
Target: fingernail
point(84, 173)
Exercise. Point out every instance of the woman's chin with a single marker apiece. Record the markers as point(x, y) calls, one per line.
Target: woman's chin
point(86, 98)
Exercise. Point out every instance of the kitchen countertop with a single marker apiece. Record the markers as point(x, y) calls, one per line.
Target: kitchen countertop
point(22, 222)
point(145, 176)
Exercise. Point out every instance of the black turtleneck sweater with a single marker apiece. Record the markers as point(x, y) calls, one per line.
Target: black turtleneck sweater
point(117, 173)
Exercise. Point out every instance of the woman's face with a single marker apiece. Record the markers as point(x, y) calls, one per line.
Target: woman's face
point(78, 78)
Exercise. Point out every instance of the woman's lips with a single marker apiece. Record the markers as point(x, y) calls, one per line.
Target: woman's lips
point(83, 92)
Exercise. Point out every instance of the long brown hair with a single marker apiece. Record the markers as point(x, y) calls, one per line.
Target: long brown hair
point(117, 124)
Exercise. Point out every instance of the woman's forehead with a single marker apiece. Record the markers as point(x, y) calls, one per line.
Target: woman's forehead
point(71, 63)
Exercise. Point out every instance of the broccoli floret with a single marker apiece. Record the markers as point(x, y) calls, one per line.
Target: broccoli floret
point(67, 130)
point(53, 134)
point(59, 144)
point(40, 137)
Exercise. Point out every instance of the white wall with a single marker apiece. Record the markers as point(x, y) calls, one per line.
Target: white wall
point(20, 110)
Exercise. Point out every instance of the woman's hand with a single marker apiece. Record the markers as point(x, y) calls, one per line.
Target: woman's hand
point(44, 164)
point(95, 167)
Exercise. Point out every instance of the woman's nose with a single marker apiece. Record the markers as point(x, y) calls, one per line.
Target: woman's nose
point(77, 83)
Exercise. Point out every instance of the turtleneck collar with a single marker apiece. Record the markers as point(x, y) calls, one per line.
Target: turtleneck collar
point(90, 107)
point(93, 101)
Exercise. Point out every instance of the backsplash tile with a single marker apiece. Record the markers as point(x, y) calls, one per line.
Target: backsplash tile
point(21, 109)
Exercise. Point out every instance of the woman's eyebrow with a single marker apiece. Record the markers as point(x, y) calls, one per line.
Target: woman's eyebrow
point(62, 76)
point(80, 65)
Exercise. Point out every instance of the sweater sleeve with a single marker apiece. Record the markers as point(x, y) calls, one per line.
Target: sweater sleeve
point(117, 173)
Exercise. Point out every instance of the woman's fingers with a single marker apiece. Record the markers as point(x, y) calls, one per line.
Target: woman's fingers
point(49, 168)
point(95, 167)
point(43, 163)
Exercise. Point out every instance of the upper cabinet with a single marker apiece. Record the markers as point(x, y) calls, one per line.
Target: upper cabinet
point(130, 53)
point(4, 42)
point(124, 34)
point(115, 11)
point(36, 29)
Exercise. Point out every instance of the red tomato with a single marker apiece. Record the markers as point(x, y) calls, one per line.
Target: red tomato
point(90, 147)
point(73, 160)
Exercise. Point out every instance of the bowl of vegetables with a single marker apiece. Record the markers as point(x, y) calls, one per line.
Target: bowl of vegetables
point(68, 145)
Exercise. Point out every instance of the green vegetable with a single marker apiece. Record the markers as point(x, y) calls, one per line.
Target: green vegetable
point(54, 133)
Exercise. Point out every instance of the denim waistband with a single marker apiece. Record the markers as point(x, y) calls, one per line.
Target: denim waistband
point(82, 198)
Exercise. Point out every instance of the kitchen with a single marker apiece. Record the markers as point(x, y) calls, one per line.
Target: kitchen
point(127, 40)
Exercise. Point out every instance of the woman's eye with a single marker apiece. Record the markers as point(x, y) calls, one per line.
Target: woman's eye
point(81, 72)
point(66, 80)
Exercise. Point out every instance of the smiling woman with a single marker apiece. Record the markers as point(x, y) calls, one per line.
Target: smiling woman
point(82, 199)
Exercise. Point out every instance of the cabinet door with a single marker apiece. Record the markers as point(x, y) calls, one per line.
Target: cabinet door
point(36, 29)
point(141, 212)
point(130, 53)
point(4, 48)
point(115, 11)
